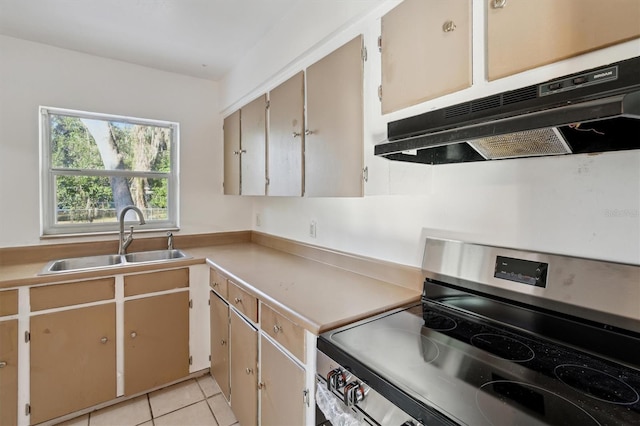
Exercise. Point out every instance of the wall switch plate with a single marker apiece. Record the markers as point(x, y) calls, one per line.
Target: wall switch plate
point(312, 229)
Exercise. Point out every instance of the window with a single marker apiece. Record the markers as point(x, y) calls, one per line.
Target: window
point(93, 165)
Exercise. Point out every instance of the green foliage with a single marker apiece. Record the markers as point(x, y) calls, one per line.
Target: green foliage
point(72, 147)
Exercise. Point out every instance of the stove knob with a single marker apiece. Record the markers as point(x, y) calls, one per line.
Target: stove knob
point(336, 379)
point(353, 393)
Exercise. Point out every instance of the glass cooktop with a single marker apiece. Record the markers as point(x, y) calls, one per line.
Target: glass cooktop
point(477, 372)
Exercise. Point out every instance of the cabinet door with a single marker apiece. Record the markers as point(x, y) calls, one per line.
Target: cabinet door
point(525, 34)
point(156, 341)
point(253, 145)
point(286, 137)
point(73, 360)
point(426, 51)
point(9, 372)
point(232, 154)
point(220, 342)
point(282, 395)
point(244, 367)
point(334, 146)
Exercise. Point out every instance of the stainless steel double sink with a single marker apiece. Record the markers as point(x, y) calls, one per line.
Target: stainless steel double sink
point(76, 264)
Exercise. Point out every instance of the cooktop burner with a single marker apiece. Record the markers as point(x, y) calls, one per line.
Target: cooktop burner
point(597, 384)
point(535, 405)
point(437, 321)
point(503, 347)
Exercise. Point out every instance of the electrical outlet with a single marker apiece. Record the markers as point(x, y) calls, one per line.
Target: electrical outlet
point(312, 229)
point(258, 219)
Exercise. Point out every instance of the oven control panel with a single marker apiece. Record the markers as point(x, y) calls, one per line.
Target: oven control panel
point(521, 271)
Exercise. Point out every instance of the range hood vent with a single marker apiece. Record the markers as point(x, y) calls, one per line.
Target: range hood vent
point(596, 110)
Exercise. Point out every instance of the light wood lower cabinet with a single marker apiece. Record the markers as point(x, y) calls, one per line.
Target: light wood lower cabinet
point(73, 360)
point(9, 372)
point(282, 397)
point(219, 311)
point(244, 370)
point(156, 341)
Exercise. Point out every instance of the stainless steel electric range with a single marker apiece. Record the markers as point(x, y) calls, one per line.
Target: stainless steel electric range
point(501, 337)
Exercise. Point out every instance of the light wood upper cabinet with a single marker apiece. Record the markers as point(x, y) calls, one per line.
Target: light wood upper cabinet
point(156, 341)
point(220, 342)
point(232, 154)
point(524, 34)
point(334, 144)
point(253, 147)
point(73, 360)
point(9, 372)
point(426, 51)
point(286, 137)
point(244, 370)
point(283, 387)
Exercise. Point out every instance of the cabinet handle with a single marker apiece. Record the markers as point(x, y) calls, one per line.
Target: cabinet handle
point(296, 134)
point(215, 284)
point(261, 385)
point(242, 151)
point(223, 342)
point(249, 370)
point(277, 328)
point(499, 4)
point(237, 300)
point(448, 26)
point(3, 364)
point(104, 340)
point(308, 132)
point(133, 334)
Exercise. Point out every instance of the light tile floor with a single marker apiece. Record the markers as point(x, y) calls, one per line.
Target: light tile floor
point(195, 402)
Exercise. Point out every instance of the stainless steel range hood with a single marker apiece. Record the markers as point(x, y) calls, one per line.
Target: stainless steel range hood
point(592, 111)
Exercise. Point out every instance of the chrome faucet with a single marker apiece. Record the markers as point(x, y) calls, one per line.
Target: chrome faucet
point(124, 242)
point(169, 241)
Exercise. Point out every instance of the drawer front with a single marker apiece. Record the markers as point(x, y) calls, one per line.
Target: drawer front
point(58, 295)
point(156, 281)
point(218, 283)
point(243, 301)
point(283, 331)
point(8, 302)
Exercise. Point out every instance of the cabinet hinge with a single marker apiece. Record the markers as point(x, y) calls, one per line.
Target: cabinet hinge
point(305, 396)
point(27, 409)
point(27, 337)
point(380, 43)
point(190, 360)
point(190, 303)
point(365, 174)
point(209, 302)
point(267, 181)
point(380, 93)
point(268, 104)
point(364, 53)
point(209, 358)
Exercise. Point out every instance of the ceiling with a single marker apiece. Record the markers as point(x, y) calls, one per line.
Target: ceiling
point(200, 38)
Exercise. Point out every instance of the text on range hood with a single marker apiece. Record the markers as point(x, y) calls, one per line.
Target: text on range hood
point(592, 111)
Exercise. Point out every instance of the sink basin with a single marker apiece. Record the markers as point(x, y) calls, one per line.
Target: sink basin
point(80, 263)
point(154, 256)
point(111, 260)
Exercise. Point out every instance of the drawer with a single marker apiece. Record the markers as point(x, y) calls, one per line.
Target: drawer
point(218, 282)
point(156, 281)
point(68, 294)
point(243, 301)
point(8, 302)
point(283, 331)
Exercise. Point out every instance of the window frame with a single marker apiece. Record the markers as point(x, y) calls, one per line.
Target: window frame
point(48, 206)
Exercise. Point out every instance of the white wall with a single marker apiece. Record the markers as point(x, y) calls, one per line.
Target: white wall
point(583, 205)
point(34, 74)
